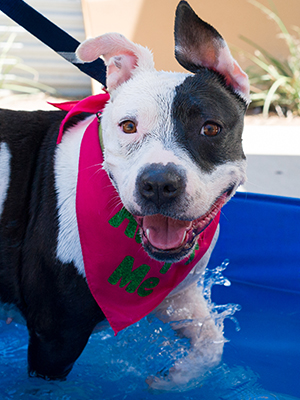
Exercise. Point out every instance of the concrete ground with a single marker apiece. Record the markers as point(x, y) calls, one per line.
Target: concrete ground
point(273, 154)
point(272, 148)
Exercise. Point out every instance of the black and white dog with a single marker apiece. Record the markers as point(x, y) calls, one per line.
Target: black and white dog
point(187, 126)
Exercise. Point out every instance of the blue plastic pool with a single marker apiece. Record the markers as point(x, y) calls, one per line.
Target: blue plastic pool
point(260, 236)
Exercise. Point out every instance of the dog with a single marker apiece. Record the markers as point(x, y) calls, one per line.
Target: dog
point(172, 157)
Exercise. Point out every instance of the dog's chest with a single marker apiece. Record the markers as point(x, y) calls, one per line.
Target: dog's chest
point(66, 172)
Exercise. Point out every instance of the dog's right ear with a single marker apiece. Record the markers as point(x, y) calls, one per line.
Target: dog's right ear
point(198, 44)
point(122, 57)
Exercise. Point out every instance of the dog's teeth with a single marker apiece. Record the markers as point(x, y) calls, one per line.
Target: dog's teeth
point(183, 239)
point(147, 233)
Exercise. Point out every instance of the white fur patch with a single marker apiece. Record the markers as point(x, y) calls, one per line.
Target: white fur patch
point(66, 171)
point(145, 99)
point(5, 157)
point(204, 188)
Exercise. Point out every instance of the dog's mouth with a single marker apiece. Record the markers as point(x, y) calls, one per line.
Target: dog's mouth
point(166, 238)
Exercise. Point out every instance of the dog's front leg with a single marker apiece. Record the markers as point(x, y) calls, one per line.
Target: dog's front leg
point(55, 343)
point(61, 314)
point(189, 316)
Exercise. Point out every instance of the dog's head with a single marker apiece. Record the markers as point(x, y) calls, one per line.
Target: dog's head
point(172, 141)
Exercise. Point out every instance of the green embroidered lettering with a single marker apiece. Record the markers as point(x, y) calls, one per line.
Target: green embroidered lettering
point(192, 256)
point(138, 238)
point(165, 268)
point(132, 278)
point(146, 287)
point(118, 218)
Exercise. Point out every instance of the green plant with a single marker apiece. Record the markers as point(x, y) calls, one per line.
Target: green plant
point(274, 82)
point(10, 66)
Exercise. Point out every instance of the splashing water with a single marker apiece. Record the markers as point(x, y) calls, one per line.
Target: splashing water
point(219, 313)
point(116, 368)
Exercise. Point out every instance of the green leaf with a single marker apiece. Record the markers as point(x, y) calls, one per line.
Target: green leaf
point(271, 93)
point(282, 67)
point(274, 16)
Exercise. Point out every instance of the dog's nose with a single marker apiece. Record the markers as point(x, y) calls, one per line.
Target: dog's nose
point(160, 183)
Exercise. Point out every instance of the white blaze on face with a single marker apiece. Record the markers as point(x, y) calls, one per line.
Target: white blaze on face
point(145, 100)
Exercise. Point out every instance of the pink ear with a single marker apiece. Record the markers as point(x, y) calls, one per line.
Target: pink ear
point(235, 76)
point(121, 56)
point(198, 44)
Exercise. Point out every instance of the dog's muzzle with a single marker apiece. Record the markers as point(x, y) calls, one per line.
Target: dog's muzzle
point(159, 189)
point(160, 193)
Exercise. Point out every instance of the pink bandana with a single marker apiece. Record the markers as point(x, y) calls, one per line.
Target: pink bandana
point(126, 283)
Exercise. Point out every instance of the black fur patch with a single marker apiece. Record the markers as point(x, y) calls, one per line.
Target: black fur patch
point(204, 98)
point(193, 36)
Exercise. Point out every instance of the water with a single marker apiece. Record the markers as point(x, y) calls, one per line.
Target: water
point(213, 277)
point(117, 368)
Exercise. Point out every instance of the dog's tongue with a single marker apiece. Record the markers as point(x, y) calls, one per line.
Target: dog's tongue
point(163, 232)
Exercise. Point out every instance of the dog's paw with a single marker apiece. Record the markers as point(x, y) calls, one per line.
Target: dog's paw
point(171, 380)
point(178, 379)
point(161, 383)
point(187, 372)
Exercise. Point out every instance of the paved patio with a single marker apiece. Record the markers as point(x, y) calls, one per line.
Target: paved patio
point(273, 154)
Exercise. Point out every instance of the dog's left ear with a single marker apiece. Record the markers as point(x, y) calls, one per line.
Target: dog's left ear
point(122, 57)
point(198, 44)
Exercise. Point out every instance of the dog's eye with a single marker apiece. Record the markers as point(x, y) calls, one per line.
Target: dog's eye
point(210, 129)
point(128, 127)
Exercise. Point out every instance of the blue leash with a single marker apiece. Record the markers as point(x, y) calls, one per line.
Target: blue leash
point(50, 34)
